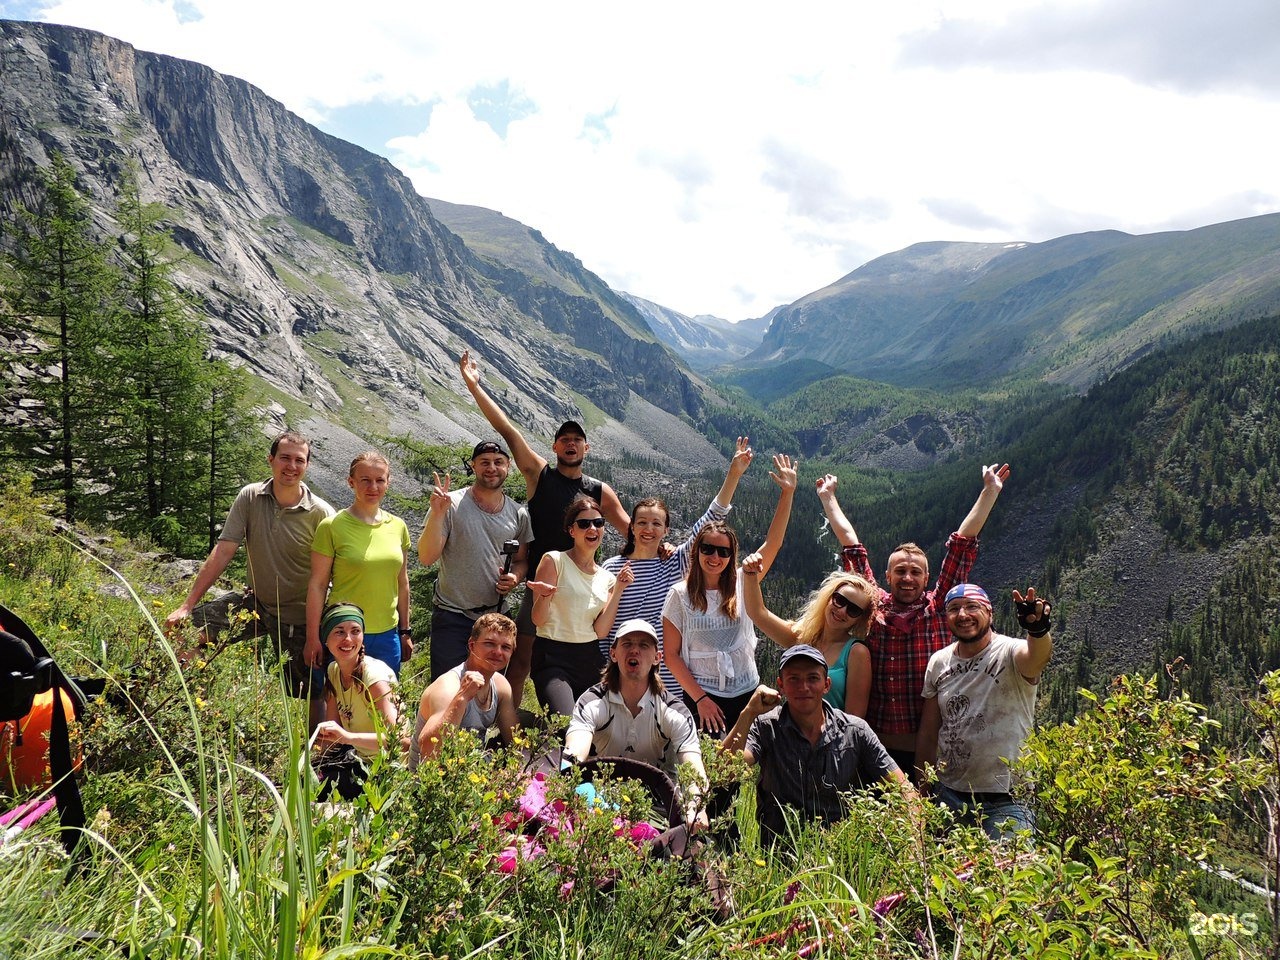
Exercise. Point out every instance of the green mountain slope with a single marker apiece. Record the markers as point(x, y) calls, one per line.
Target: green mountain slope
point(1071, 310)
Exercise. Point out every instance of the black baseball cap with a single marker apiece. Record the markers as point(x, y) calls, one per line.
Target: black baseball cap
point(572, 427)
point(489, 446)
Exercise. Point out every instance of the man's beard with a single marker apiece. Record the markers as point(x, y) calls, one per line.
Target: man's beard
point(975, 639)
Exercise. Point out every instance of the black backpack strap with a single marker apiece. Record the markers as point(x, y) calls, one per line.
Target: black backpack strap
point(66, 789)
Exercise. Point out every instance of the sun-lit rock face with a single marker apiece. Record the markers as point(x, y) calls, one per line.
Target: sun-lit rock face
point(313, 261)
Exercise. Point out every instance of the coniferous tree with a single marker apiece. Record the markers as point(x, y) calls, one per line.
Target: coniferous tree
point(157, 457)
point(181, 452)
point(59, 293)
point(232, 448)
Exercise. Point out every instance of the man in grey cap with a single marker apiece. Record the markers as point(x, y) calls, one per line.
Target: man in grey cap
point(481, 538)
point(809, 753)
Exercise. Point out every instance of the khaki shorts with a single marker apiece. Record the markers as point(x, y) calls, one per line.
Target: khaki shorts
point(231, 619)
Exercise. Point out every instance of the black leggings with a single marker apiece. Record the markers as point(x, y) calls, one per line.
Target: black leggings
point(562, 672)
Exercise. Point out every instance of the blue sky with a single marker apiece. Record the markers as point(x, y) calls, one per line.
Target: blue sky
point(726, 158)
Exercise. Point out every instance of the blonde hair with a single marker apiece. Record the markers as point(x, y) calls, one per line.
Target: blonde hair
point(808, 626)
point(369, 456)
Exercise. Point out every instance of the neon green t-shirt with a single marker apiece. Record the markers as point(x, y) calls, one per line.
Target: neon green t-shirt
point(366, 564)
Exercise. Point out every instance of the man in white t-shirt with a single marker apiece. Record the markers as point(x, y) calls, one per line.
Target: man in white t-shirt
point(980, 694)
point(467, 531)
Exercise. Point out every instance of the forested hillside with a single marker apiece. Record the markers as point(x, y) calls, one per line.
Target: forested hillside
point(1146, 507)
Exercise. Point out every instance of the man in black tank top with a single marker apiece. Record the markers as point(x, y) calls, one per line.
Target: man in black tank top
point(550, 491)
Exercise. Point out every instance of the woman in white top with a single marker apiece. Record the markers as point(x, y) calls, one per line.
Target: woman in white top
point(710, 645)
point(575, 603)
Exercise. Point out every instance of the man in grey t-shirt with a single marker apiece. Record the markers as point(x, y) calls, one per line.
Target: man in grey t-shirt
point(276, 521)
point(980, 694)
point(466, 530)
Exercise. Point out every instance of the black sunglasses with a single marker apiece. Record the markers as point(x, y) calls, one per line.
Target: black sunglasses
point(582, 523)
point(715, 550)
point(840, 600)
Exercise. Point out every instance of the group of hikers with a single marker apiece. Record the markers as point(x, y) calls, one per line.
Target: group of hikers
point(644, 651)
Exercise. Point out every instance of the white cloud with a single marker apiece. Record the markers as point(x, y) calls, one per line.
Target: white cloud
point(724, 158)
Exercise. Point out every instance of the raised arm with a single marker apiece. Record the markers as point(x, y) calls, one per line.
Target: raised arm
point(761, 702)
point(212, 568)
point(738, 463)
point(612, 509)
point(845, 535)
point(993, 478)
point(443, 705)
point(528, 462)
point(769, 623)
point(603, 622)
point(784, 475)
point(1034, 617)
point(721, 503)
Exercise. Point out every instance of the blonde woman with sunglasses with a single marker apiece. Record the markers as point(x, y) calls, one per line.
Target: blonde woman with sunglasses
point(709, 644)
point(835, 621)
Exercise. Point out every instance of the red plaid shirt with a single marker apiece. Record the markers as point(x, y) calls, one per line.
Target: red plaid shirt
point(901, 644)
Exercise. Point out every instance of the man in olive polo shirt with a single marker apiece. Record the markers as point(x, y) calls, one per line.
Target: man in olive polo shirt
point(276, 520)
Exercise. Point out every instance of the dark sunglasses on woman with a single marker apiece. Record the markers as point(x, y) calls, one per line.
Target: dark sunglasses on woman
point(714, 549)
point(840, 600)
point(582, 523)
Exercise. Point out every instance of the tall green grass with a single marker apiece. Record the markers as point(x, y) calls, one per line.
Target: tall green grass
point(206, 840)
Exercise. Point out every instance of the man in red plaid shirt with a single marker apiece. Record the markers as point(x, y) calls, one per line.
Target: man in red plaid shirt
point(912, 623)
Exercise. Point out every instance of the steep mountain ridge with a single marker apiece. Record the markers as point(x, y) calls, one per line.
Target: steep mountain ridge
point(314, 262)
point(702, 342)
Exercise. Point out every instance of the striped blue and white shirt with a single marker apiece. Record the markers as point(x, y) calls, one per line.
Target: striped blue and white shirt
point(647, 594)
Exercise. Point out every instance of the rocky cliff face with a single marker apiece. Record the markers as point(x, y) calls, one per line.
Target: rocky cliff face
point(313, 261)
